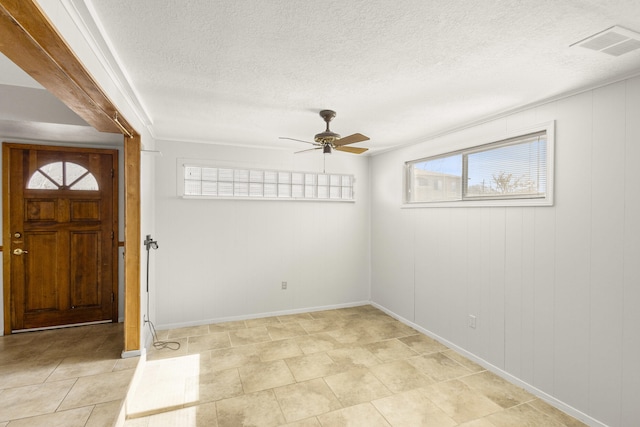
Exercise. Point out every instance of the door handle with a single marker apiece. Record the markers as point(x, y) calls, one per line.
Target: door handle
point(19, 251)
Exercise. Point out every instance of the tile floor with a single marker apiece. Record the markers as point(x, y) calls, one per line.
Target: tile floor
point(65, 377)
point(346, 367)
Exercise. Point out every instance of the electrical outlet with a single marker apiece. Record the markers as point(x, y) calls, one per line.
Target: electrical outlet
point(472, 321)
point(284, 286)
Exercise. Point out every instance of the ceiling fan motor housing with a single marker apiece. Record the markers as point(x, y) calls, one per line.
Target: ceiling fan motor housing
point(327, 137)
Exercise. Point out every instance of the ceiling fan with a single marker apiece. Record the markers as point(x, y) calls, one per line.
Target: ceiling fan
point(327, 140)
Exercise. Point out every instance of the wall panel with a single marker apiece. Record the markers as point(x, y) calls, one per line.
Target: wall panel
point(554, 289)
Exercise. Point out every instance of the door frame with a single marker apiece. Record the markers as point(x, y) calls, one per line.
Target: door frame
point(30, 40)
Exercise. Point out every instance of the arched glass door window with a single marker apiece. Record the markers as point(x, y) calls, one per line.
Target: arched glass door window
point(62, 176)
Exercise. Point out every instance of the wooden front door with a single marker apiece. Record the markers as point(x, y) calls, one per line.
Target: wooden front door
point(60, 240)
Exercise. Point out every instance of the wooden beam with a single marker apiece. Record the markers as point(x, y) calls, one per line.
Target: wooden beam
point(132, 243)
point(30, 40)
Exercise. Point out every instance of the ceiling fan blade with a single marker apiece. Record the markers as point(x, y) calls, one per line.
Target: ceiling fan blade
point(351, 139)
point(299, 140)
point(354, 150)
point(310, 149)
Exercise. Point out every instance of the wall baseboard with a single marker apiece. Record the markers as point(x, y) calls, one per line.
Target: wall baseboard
point(165, 326)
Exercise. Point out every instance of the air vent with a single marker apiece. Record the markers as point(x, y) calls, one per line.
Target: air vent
point(613, 41)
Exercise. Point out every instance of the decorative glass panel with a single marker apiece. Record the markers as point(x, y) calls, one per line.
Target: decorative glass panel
point(40, 182)
point(209, 174)
point(62, 176)
point(209, 188)
point(86, 183)
point(259, 184)
point(270, 190)
point(297, 191)
point(241, 189)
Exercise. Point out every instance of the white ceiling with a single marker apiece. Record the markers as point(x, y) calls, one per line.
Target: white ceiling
point(247, 71)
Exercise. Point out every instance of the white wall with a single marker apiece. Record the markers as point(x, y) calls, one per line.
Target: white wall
point(220, 259)
point(556, 290)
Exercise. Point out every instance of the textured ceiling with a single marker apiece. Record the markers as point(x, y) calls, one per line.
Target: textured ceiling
point(247, 71)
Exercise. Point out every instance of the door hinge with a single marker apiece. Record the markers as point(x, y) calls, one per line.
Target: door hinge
point(113, 236)
point(113, 173)
point(113, 297)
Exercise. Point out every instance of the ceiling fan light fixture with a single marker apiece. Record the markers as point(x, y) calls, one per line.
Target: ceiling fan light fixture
point(326, 149)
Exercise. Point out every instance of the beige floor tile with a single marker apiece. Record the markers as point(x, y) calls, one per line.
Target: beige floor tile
point(364, 415)
point(194, 416)
point(233, 357)
point(81, 366)
point(227, 326)
point(422, 344)
point(137, 422)
point(71, 418)
point(309, 422)
point(556, 414)
point(294, 317)
point(99, 388)
point(389, 330)
point(356, 386)
point(522, 416)
point(262, 321)
point(390, 350)
point(213, 341)
point(247, 336)
point(480, 422)
point(317, 343)
point(33, 400)
point(265, 375)
point(128, 363)
point(259, 409)
point(326, 314)
point(470, 365)
point(352, 336)
point(353, 357)
point(163, 385)
point(497, 389)
point(459, 401)
point(26, 373)
point(315, 326)
point(315, 365)
point(190, 331)
point(306, 399)
point(285, 331)
point(105, 414)
point(411, 409)
point(439, 367)
point(215, 386)
point(400, 375)
point(278, 350)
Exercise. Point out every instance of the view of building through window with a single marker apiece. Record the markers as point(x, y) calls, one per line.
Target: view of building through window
point(514, 168)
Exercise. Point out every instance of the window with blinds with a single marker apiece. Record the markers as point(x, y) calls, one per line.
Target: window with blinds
point(224, 182)
point(517, 169)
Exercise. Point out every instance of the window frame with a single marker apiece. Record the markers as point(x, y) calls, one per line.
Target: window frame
point(465, 147)
point(182, 164)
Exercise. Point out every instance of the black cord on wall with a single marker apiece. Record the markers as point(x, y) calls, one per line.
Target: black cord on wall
point(157, 344)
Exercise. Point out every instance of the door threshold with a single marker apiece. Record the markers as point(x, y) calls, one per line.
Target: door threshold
point(73, 325)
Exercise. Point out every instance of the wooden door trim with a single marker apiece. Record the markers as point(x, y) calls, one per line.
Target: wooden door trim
point(8, 207)
point(30, 40)
point(6, 261)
